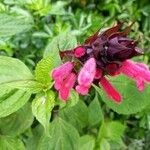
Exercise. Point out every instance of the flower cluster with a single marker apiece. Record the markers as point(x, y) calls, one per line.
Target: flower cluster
point(102, 54)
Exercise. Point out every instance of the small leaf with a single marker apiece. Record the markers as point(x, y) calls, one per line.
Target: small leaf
point(44, 68)
point(42, 106)
point(63, 136)
point(14, 124)
point(95, 112)
point(10, 143)
point(133, 100)
point(86, 142)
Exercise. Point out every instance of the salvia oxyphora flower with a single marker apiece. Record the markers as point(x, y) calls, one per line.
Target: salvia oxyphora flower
point(102, 54)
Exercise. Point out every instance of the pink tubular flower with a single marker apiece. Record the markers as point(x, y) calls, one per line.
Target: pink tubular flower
point(110, 90)
point(62, 71)
point(102, 54)
point(64, 79)
point(66, 86)
point(137, 71)
point(86, 76)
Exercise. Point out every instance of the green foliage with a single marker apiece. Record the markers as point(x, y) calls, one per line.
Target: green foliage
point(95, 112)
point(78, 115)
point(14, 125)
point(11, 25)
point(32, 116)
point(62, 133)
point(86, 142)
point(7, 142)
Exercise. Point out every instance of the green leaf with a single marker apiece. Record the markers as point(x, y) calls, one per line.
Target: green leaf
point(11, 100)
point(10, 143)
point(11, 25)
point(63, 136)
point(78, 115)
point(57, 8)
point(95, 112)
point(63, 41)
point(44, 68)
point(133, 100)
point(12, 69)
point(14, 124)
point(42, 106)
point(104, 145)
point(86, 142)
point(31, 142)
point(26, 85)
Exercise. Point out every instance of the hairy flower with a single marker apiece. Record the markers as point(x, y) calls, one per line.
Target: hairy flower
point(64, 79)
point(137, 71)
point(102, 54)
point(86, 76)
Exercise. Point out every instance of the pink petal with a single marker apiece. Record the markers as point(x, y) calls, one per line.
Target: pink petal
point(66, 86)
point(110, 90)
point(142, 65)
point(87, 73)
point(82, 90)
point(140, 84)
point(135, 71)
point(79, 51)
point(64, 94)
point(57, 85)
point(62, 71)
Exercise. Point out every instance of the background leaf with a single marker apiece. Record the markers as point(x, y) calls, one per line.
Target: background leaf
point(86, 142)
point(62, 133)
point(11, 25)
point(10, 143)
point(14, 124)
point(95, 112)
point(78, 115)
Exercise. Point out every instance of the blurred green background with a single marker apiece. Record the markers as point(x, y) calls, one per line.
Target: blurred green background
point(44, 20)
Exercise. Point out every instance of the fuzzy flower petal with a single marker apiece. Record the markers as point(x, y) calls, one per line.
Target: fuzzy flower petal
point(137, 71)
point(87, 73)
point(110, 90)
point(82, 90)
point(86, 76)
point(66, 86)
point(62, 71)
